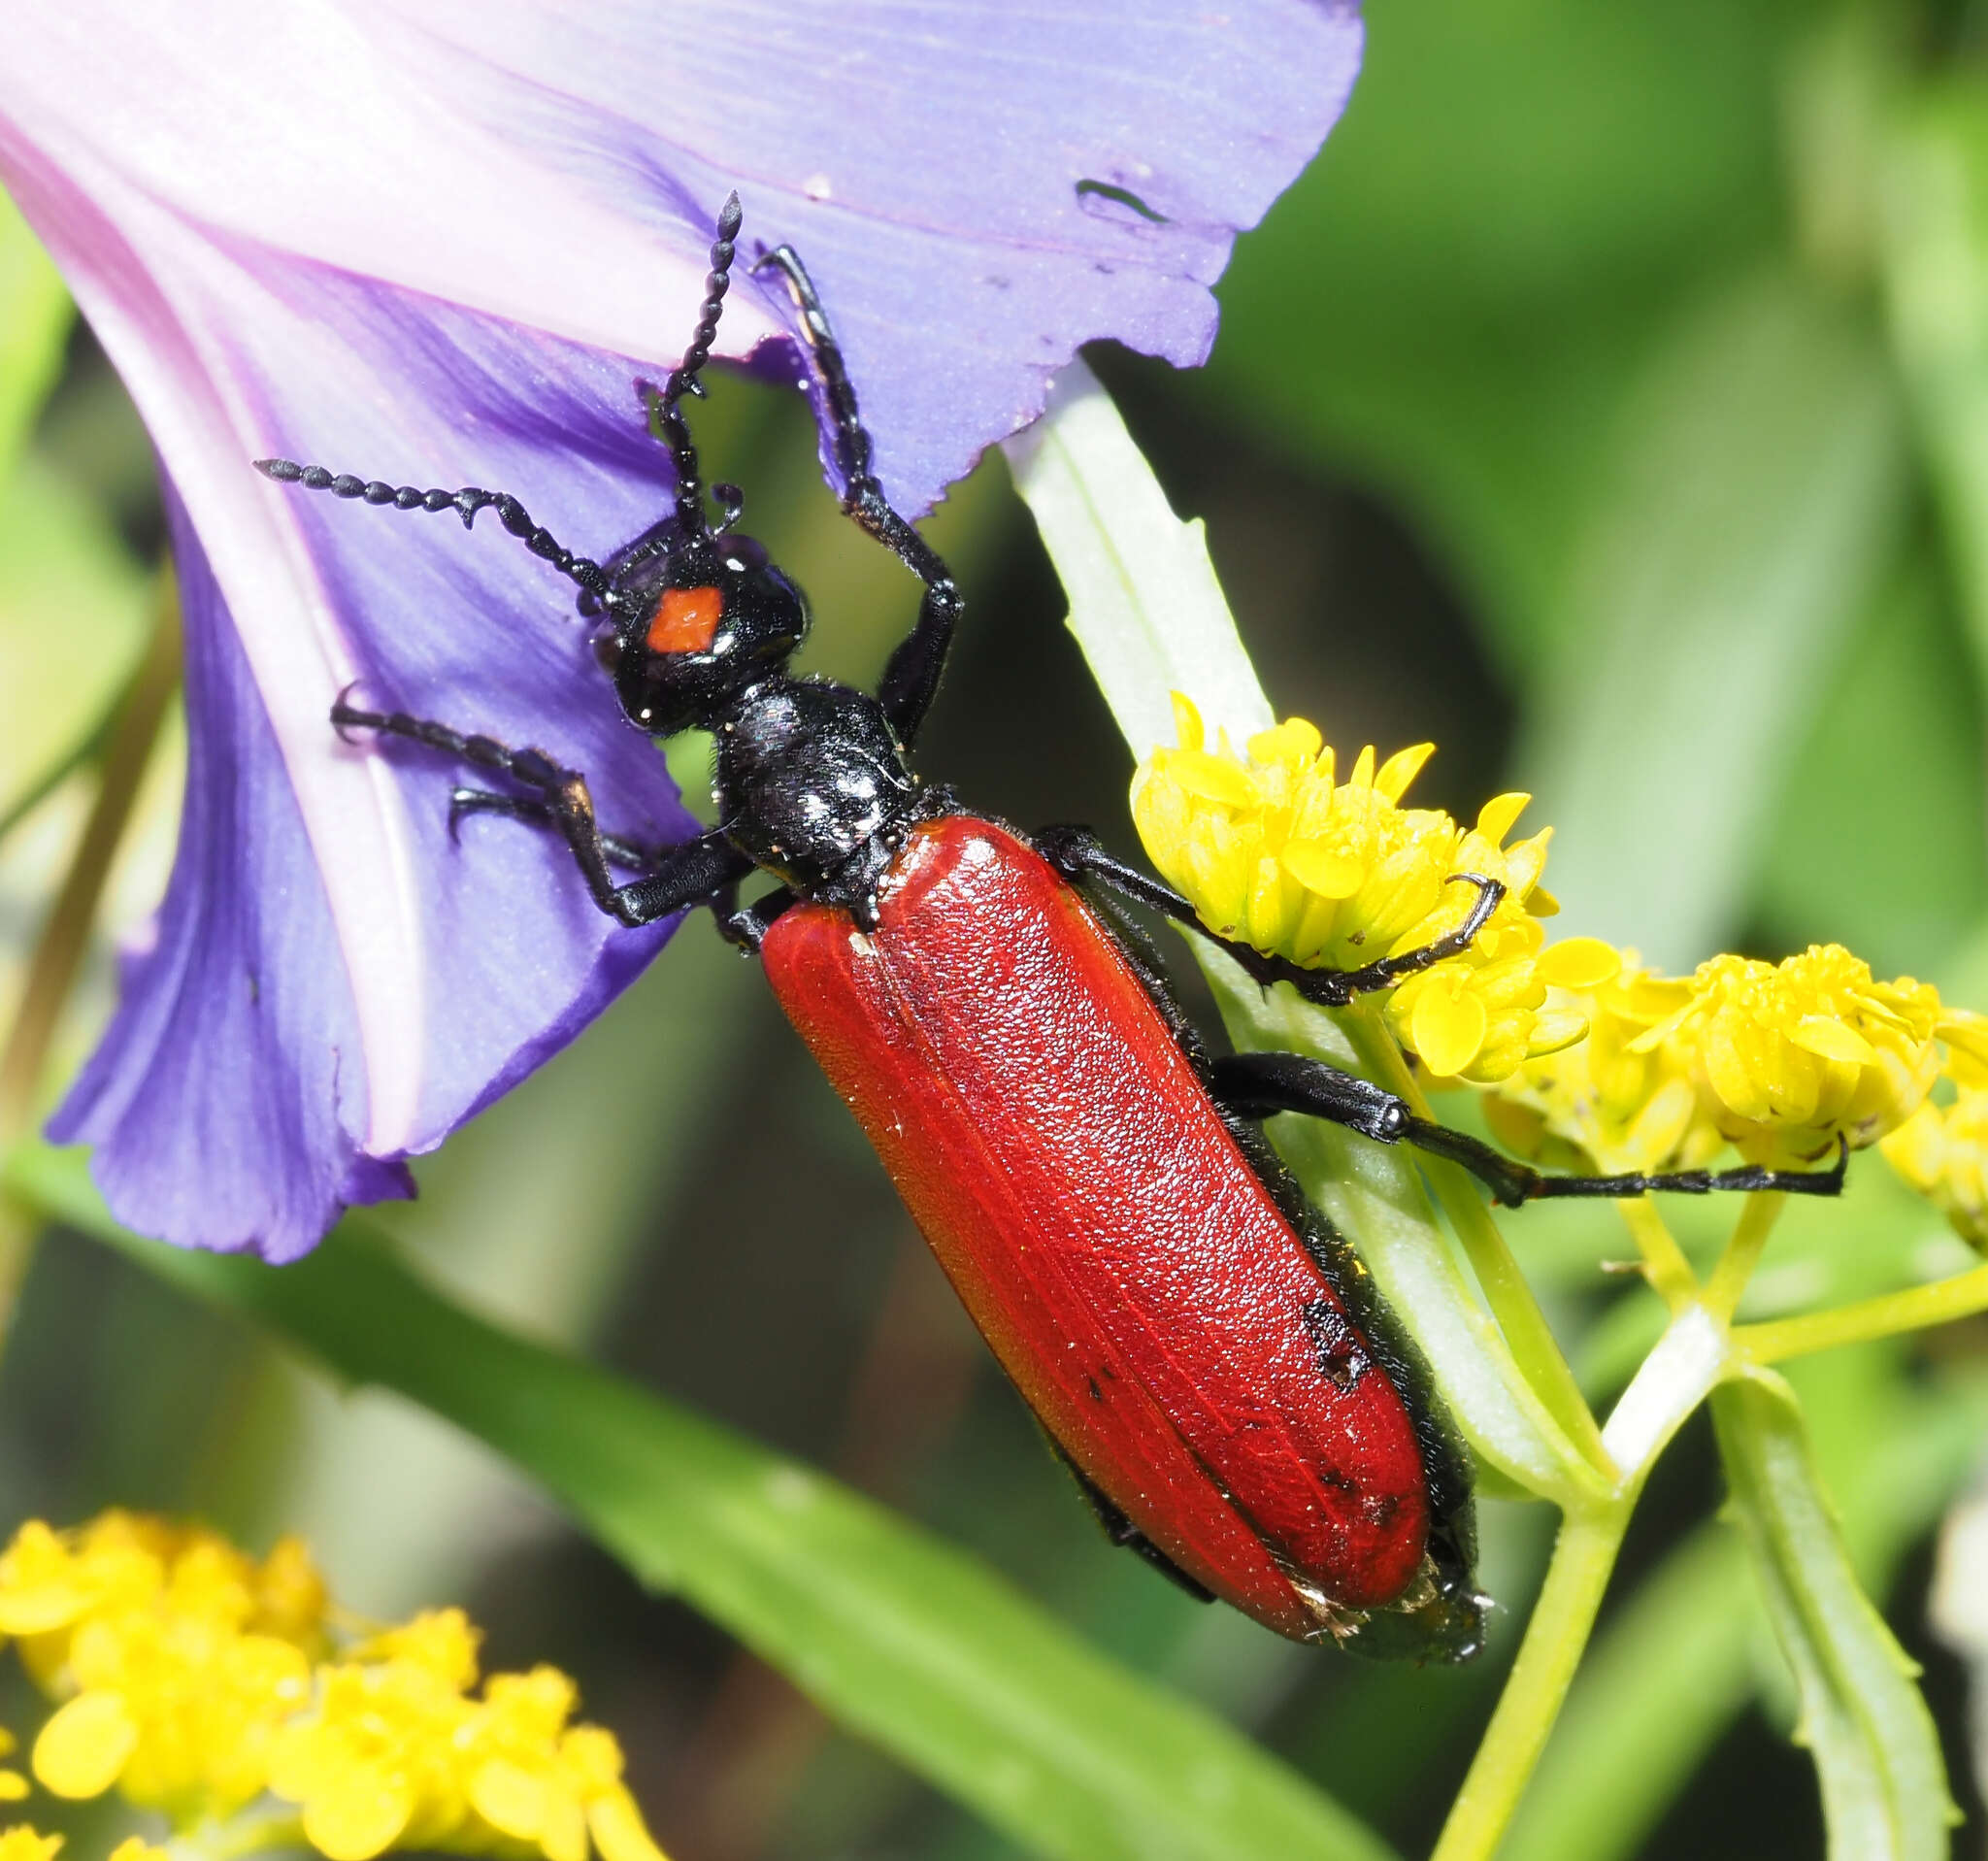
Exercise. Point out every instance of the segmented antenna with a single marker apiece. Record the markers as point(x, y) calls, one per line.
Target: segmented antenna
point(666, 418)
point(466, 503)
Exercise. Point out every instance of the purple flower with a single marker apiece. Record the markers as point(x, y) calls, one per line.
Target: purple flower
point(438, 246)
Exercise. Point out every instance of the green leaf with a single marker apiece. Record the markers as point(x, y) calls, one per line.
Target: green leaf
point(35, 315)
point(895, 1634)
point(1454, 298)
point(1836, 865)
point(1875, 1748)
point(1753, 505)
point(1145, 604)
point(1934, 247)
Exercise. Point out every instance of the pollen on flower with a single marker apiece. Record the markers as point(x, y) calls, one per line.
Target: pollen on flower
point(1781, 1061)
point(1274, 848)
point(198, 1681)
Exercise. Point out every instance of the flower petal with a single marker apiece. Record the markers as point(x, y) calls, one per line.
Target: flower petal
point(437, 247)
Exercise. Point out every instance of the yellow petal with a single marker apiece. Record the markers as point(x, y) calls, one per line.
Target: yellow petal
point(1330, 871)
point(13, 1786)
point(1579, 963)
point(1496, 818)
point(1918, 1149)
point(1542, 902)
point(564, 1836)
point(618, 1829)
point(362, 1816)
point(1292, 741)
point(1446, 1029)
point(1211, 777)
point(1830, 1039)
point(1187, 729)
point(81, 1750)
point(1554, 1031)
point(509, 1798)
point(1400, 769)
point(36, 1607)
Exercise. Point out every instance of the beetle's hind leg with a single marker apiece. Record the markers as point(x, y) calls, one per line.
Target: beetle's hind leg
point(1259, 1085)
point(1076, 853)
point(696, 873)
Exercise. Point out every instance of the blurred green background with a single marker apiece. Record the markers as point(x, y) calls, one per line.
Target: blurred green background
point(1610, 403)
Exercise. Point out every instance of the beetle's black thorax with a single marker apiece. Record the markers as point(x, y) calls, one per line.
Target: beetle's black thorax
point(812, 785)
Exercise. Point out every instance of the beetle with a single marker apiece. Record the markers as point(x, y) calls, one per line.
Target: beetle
point(1205, 1352)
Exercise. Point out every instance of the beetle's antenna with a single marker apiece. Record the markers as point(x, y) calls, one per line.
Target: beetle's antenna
point(466, 503)
point(665, 416)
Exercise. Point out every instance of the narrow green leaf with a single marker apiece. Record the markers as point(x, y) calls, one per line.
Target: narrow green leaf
point(1754, 500)
point(1836, 863)
point(898, 1636)
point(1934, 245)
point(35, 315)
point(1875, 1748)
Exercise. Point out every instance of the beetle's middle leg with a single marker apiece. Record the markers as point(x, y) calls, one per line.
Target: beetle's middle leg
point(1259, 1085)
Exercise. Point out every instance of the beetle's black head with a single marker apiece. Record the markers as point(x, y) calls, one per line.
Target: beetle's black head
point(692, 620)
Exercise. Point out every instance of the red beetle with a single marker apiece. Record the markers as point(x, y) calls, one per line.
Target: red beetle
point(1207, 1353)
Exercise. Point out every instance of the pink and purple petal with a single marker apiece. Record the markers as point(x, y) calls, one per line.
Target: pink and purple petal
point(439, 248)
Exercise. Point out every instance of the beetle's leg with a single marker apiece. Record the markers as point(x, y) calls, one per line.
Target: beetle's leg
point(747, 925)
point(1258, 1085)
point(1076, 853)
point(682, 875)
point(628, 855)
point(911, 677)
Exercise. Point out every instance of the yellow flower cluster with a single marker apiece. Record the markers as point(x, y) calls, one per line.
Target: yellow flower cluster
point(1779, 1060)
point(196, 1680)
point(1274, 850)
point(1943, 1150)
point(20, 1843)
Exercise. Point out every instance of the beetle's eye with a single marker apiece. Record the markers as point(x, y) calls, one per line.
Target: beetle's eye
point(606, 647)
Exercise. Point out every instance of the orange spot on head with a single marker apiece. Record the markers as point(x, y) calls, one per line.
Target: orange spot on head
point(685, 620)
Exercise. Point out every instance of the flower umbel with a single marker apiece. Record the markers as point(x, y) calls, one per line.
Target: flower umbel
point(1273, 848)
point(1781, 1061)
point(193, 1680)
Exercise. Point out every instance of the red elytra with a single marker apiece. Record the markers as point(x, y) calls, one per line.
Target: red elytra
point(1125, 1262)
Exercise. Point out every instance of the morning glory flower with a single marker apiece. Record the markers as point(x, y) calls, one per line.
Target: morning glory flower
point(438, 247)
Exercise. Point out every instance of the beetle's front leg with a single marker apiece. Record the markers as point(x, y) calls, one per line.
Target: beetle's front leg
point(1076, 853)
point(559, 798)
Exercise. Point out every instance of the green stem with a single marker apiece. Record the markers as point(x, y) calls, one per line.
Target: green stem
point(1663, 1264)
point(1564, 1617)
point(1757, 1218)
point(64, 937)
point(1533, 1345)
point(1911, 1310)
point(65, 934)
